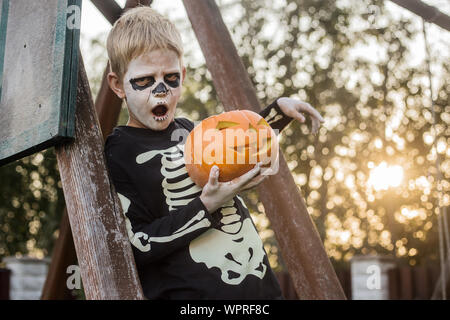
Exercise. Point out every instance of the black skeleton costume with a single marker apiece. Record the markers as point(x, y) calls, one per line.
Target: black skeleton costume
point(182, 251)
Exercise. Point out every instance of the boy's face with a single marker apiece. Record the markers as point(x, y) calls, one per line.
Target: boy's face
point(152, 88)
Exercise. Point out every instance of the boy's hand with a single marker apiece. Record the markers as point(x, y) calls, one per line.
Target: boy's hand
point(215, 193)
point(294, 107)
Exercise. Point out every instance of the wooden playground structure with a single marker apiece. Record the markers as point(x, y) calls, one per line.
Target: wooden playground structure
point(92, 228)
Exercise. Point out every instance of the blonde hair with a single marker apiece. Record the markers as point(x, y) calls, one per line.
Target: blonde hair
point(138, 31)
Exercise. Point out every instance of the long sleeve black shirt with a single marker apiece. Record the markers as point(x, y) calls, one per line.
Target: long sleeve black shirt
point(181, 250)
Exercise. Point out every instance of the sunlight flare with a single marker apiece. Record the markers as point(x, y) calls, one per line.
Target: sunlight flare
point(383, 177)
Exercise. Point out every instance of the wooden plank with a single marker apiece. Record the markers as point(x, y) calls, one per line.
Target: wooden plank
point(96, 218)
point(421, 283)
point(112, 11)
point(37, 73)
point(109, 8)
point(300, 244)
point(345, 278)
point(394, 284)
point(107, 106)
point(135, 3)
point(5, 275)
point(406, 283)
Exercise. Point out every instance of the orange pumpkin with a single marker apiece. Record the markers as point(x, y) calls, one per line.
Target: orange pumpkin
point(234, 141)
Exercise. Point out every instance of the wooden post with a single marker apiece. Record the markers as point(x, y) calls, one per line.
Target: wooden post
point(107, 106)
point(103, 249)
point(109, 8)
point(5, 276)
point(112, 11)
point(302, 249)
point(406, 284)
point(393, 282)
point(429, 13)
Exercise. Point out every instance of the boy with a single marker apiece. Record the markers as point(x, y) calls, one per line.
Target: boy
point(188, 242)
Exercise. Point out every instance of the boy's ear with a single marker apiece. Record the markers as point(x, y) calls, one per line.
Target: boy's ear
point(116, 85)
point(184, 74)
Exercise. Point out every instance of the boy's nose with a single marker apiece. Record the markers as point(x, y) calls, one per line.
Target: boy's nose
point(160, 90)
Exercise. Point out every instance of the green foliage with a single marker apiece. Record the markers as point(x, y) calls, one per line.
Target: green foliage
point(31, 205)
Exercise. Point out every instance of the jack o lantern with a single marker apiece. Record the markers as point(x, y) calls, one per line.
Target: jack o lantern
point(234, 141)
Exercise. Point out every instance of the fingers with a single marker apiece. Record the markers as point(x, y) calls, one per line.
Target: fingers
point(315, 126)
point(314, 121)
point(246, 177)
point(306, 107)
point(316, 118)
point(298, 116)
point(214, 176)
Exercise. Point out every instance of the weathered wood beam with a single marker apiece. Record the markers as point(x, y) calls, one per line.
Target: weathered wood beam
point(109, 8)
point(427, 12)
point(112, 11)
point(302, 249)
point(107, 106)
point(134, 3)
point(104, 252)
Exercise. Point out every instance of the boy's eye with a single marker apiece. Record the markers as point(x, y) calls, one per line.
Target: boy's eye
point(172, 79)
point(142, 83)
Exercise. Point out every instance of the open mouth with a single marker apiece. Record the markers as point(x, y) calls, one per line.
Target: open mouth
point(160, 112)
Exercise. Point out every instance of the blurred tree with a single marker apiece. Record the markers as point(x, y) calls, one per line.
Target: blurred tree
point(367, 176)
point(31, 204)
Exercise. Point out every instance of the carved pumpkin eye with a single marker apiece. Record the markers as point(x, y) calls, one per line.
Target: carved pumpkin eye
point(226, 124)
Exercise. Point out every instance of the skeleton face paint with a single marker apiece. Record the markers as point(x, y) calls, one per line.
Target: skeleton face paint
point(152, 87)
point(142, 83)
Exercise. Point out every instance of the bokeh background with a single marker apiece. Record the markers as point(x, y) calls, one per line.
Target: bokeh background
point(369, 177)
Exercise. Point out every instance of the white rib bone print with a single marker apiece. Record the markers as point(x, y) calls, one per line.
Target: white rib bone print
point(135, 238)
point(273, 116)
point(173, 168)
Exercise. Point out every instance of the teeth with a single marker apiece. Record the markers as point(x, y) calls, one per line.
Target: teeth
point(162, 118)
